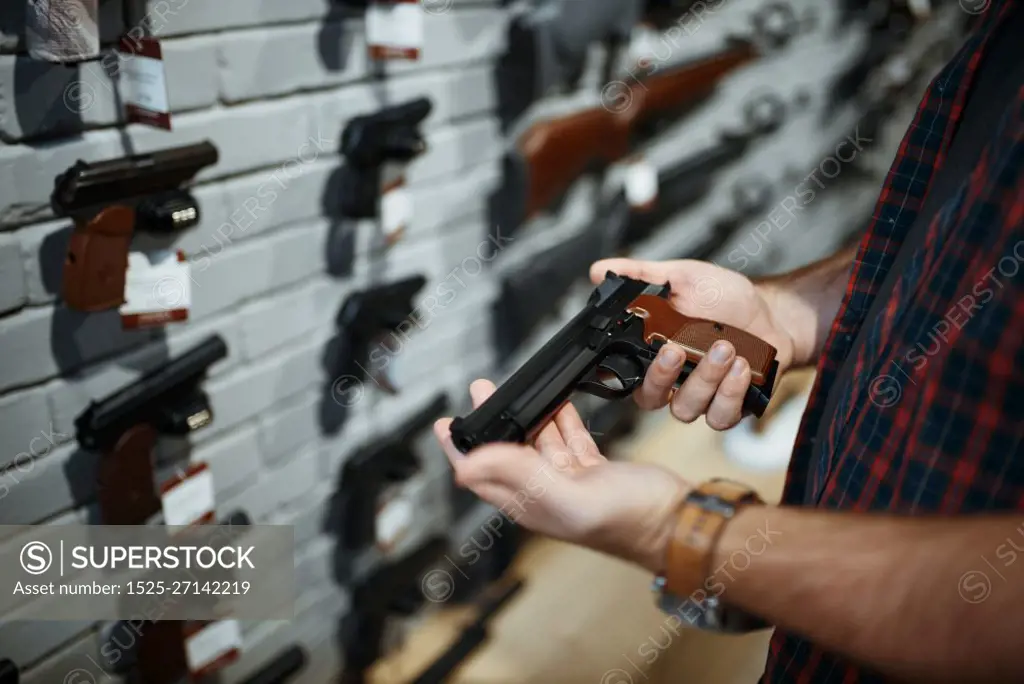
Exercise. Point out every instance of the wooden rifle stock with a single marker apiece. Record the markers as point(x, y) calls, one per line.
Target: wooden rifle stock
point(558, 151)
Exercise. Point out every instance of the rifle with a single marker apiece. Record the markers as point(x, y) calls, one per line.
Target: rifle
point(289, 662)
point(125, 427)
point(605, 351)
point(472, 637)
point(526, 293)
point(369, 473)
point(552, 154)
point(369, 142)
point(110, 200)
point(392, 590)
point(365, 320)
point(690, 180)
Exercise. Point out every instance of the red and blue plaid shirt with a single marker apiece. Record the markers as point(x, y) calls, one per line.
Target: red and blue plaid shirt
point(932, 417)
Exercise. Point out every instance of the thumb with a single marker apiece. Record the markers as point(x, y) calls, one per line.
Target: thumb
point(655, 272)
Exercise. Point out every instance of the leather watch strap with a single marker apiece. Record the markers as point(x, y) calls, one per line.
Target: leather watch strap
point(702, 518)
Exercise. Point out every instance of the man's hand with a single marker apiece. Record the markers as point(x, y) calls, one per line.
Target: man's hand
point(564, 488)
point(717, 386)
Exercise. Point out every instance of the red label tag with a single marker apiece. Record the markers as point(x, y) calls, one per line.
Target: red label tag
point(394, 30)
point(143, 82)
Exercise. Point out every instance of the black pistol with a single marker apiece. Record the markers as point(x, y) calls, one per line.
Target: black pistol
point(125, 427)
point(8, 672)
point(369, 142)
point(393, 590)
point(368, 318)
point(367, 475)
point(472, 638)
point(286, 665)
point(605, 351)
point(112, 199)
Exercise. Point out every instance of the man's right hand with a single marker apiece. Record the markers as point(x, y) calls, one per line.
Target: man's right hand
point(700, 289)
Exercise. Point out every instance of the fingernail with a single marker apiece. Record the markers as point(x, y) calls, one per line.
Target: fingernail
point(737, 368)
point(669, 358)
point(720, 353)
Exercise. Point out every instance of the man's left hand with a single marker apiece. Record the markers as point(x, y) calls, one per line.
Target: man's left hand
point(563, 487)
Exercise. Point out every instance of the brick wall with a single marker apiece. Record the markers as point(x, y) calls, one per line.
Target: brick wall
point(272, 83)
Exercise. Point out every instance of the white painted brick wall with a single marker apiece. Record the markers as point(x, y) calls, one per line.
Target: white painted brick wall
point(272, 84)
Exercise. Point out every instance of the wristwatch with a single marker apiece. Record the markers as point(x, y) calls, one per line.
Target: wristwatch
point(688, 588)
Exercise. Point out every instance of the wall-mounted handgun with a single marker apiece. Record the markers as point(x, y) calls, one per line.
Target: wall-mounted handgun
point(605, 350)
point(109, 201)
point(472, 637)
point(368, 475)
point(154, 650)
point(372, 141)
point(9, 672)
point(282, 668)
point(125, 427)
point(366, 320)
point(393, 590)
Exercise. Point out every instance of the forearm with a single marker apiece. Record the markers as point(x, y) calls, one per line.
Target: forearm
point(905, 596)
point(805, 301)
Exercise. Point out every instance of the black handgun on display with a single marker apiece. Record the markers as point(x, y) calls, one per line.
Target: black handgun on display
point(109, 201)
point(393, 590)
point(369, 142)
point(605, 351)
point(286, 665)
point(369, 472)
point(125, 427)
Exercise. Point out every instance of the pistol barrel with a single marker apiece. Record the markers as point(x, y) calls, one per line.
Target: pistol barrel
point(89, 185)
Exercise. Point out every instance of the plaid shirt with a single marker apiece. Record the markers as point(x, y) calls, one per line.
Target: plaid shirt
point(933, 416)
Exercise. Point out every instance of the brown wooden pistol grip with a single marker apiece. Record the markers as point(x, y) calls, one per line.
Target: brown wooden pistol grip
point(126, 490)
point(97, 261)
point(697, 335)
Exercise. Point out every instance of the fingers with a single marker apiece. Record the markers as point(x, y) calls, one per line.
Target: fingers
point(662, 373)
point(577, 438)
point(512, 466)
point(695, 395)
point(480, 390)
point(715, 389)
point(443, 433)
point(657, 272)
point(727, 407)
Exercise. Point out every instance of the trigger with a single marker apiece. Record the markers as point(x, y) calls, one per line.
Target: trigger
point(613, 378)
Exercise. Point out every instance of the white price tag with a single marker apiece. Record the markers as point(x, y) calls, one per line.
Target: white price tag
point(394, 30)
point(143, 82)
point(396, 209)
point(393, 521)
point(189, 499)
point(213, 646)
point(922, 9)
point(157, 289)
point(641, 184)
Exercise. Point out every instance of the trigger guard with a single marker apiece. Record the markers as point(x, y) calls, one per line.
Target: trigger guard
point(627, 372)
